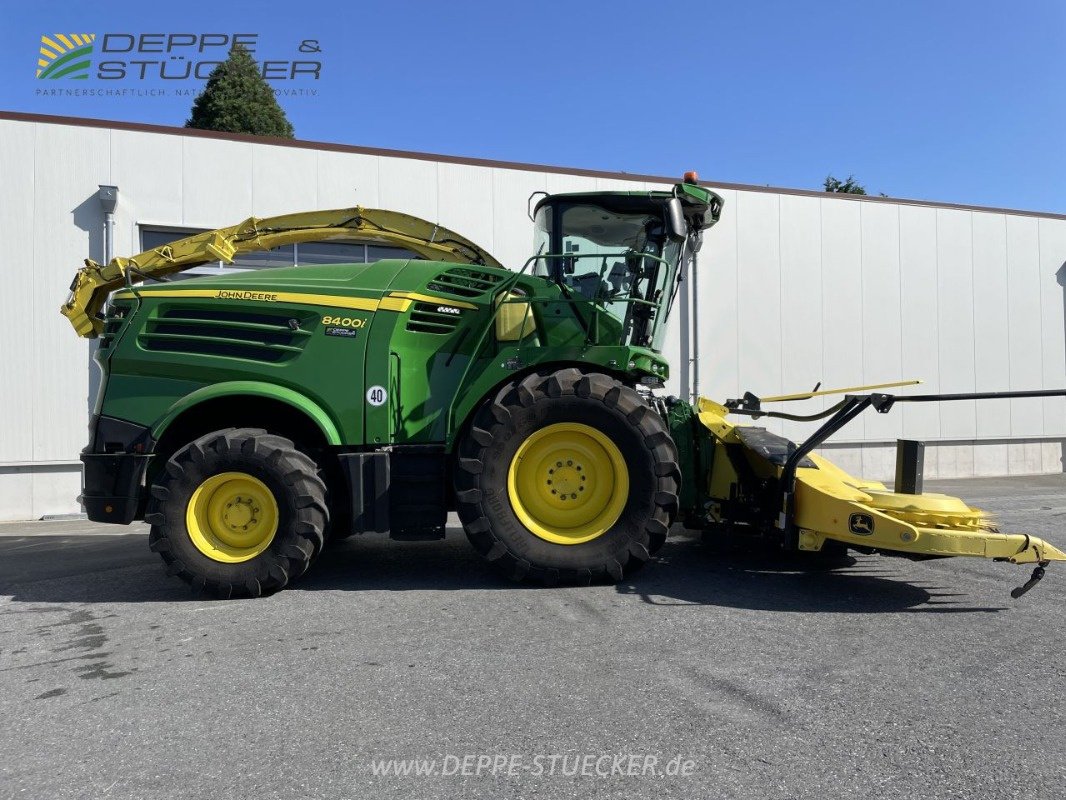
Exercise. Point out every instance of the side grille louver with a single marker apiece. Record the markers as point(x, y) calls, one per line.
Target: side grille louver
point(251, 335)
point(112, 325)
point(114, 319)
point(464, 282)
point(425, 318)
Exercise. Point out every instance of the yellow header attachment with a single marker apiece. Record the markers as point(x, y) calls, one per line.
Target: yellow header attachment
point(94, 282)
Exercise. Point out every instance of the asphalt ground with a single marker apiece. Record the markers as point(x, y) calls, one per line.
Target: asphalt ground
point(708, 678)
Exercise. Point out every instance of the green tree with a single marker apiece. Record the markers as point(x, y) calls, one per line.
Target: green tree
point(850, 186)
point(237, 99)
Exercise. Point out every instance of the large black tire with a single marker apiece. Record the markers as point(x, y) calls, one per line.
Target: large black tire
point(520, 409)
point(291, 477)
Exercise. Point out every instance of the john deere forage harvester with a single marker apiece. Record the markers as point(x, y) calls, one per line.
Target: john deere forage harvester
point(249, 417)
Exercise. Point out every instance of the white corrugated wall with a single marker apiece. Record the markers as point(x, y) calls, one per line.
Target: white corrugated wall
point(794, 289)
point(799, 289)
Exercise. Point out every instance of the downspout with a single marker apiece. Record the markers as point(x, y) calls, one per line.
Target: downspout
point(108, 202)
point(686, 315)
point(108, 197)
point(691, 350)
point(695, 296)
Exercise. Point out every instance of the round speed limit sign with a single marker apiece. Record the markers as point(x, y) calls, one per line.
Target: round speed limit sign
point(376, 395)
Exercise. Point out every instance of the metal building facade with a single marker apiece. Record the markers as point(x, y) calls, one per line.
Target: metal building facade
point(795, 287)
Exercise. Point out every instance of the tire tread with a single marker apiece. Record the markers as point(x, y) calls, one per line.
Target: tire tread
point(288, 559)
point(495, 419)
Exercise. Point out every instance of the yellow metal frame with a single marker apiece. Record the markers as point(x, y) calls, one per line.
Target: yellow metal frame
point(94, 282)
point(832, 504)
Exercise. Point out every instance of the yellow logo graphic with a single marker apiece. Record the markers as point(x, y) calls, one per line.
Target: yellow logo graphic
point(65, 55)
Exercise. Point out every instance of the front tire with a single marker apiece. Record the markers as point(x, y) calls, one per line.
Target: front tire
point(567, 477)
point(238, 512)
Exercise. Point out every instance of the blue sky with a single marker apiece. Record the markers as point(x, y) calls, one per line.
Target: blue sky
point(951, 101)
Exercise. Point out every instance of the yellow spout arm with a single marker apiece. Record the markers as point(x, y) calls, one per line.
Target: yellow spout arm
point(94, 282)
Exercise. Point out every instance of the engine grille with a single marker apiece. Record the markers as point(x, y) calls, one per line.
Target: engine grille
point(427, 318)
point(464, 282)
point(251, 335)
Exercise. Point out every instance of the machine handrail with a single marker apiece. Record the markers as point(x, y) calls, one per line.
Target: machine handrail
point(503, 293)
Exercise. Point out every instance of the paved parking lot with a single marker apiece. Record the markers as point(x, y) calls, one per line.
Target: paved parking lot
point(883, 679)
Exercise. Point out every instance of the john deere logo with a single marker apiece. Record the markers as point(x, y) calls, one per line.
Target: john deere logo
point(65, 55)
point(861, 524)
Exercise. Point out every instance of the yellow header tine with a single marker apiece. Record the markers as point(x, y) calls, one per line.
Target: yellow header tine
point(782, 398)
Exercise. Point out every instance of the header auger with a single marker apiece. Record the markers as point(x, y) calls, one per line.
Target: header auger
point(250, 417)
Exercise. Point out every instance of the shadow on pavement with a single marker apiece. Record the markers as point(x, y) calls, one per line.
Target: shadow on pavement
point(120, 569)
point(690, 575)
point(93, 568)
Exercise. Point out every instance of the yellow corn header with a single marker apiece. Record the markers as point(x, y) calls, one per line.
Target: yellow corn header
point(819, 502)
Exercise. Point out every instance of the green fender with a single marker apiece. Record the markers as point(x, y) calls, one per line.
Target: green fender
point(255, 389)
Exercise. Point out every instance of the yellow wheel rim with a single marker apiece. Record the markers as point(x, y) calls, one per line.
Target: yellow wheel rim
point(232, 517)
point(568, 483)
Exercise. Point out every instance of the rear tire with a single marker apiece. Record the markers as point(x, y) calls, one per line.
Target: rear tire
point(238, 513)
point(508, 508)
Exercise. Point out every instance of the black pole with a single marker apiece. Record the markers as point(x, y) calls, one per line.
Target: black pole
point(852, 406)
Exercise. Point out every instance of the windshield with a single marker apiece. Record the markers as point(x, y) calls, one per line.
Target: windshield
point(622, 261)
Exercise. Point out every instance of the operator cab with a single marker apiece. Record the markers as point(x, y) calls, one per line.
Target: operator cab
point(622, 251)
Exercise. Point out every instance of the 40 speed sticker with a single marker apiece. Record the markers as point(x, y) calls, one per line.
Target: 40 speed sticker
point(376, 395)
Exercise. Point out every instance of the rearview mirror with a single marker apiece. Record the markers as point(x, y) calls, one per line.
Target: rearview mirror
point(676, 226)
